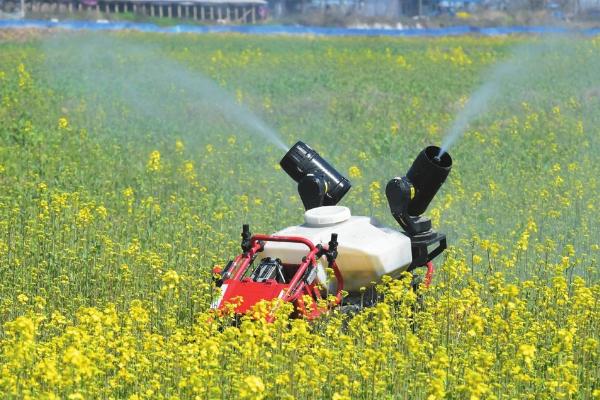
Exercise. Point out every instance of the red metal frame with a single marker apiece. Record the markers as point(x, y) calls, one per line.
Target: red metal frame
point(429, 274)
point(252, 292)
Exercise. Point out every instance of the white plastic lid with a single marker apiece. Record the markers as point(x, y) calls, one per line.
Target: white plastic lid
point(327, 215)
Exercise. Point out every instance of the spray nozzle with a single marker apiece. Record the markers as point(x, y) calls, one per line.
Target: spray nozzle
point(319, 184)
point(410, 195)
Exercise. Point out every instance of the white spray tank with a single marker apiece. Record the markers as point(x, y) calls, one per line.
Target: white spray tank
point(367, 250)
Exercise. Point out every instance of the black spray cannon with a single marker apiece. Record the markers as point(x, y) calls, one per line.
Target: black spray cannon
point(319, 184)
point(409, 197)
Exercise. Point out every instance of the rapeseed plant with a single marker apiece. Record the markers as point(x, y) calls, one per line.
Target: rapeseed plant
point(107, 240)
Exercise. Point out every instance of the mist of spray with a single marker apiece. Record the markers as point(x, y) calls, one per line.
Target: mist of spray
point(115, 76)
point(476, 105)
point(504, 82)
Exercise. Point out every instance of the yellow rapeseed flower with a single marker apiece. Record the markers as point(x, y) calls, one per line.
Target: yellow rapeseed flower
point(63, 123)
point(354, 172)
point(154, 163)
point(253, 388)
point(179, 146)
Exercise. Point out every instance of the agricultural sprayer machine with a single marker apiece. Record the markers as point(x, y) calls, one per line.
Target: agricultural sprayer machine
point(291, 265)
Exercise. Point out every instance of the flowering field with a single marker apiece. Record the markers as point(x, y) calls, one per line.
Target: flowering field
point(121, 188)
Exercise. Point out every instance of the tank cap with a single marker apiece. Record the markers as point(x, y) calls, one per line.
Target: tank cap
point(326, 215)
